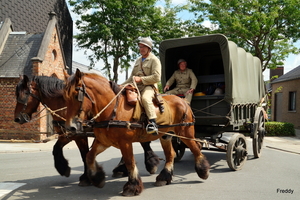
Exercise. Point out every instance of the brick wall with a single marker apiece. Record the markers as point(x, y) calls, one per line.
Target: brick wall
point(287, 116)
point(8, 128)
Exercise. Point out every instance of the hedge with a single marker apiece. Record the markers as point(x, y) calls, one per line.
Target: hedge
point(280, 129)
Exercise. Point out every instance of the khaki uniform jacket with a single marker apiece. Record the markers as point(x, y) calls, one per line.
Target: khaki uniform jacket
point(152, 70)
point(186, 79)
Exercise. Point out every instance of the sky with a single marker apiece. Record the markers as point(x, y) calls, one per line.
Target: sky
point(290, 63)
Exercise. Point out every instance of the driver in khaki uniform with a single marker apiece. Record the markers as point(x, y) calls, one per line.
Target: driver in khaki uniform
point(146, 73)
point(186, 81)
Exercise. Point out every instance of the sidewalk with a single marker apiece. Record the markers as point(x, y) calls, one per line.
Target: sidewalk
point(19, 147)
point(288, 144)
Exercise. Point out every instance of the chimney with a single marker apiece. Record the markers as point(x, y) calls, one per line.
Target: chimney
point(276, 72)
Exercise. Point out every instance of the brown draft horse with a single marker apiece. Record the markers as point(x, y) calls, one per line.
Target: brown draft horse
point(49, 92)
point(91, 93)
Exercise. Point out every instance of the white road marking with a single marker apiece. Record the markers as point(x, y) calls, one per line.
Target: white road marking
point(6, 188)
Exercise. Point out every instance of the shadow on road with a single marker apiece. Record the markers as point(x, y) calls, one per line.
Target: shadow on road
point(58, 187)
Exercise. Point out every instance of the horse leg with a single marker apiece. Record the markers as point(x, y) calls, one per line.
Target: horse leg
point(60, 163)
point(120, 170)
point(202, 165)
point(83, 146)
point(134, 185)
point(165, 176)
point(151, 159)
point(151, 162)
point(95, 172)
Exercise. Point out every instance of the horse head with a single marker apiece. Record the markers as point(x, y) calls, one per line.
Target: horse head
point(86, 94)
point(27, 100)
point(41, 89)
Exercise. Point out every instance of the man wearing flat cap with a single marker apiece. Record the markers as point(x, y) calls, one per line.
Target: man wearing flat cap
point(186, 81)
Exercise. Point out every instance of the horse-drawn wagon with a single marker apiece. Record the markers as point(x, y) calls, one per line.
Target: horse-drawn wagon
point(230, 96)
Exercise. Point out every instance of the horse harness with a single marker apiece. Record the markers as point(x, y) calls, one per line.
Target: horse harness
point(116, 123)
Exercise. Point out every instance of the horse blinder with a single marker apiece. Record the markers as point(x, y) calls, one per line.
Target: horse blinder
point(80, 95)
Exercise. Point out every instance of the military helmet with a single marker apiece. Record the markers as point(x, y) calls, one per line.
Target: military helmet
point(146, 41)
point(218, 91)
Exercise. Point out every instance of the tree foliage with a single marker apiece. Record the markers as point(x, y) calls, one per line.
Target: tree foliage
point(266, 28)
point(110, 29)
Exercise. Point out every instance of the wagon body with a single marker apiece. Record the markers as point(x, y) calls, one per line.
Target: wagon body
point(218, 63)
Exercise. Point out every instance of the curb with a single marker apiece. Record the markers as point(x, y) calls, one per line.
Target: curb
point(52, 137)
point(284, 150)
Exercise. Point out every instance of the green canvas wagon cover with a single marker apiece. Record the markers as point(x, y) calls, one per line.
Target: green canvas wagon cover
point(214, 57)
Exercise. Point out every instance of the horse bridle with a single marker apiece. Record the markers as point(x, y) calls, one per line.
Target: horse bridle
point(81, 93)
point(24, 101)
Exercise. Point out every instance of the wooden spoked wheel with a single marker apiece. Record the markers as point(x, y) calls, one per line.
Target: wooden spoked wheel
point(258, 132)
point(179, 148)
point(236, 154)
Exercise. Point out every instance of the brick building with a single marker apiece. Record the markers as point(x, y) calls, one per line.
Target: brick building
point(30, 54)
point(286, 98)
point(35, 39)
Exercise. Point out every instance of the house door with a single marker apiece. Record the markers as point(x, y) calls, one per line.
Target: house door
point(278, 107)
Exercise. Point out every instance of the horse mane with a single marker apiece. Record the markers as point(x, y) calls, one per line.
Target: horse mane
point(114, 86)
point(49, 86)
point(70, 86)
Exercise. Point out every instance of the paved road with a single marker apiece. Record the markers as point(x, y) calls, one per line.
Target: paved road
point(27, 172)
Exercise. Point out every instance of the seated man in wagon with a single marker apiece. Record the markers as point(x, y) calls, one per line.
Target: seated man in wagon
point(186, 81)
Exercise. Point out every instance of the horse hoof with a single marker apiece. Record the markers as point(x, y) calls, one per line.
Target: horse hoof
point(67, 172)
point(160, 183)
point(84, 183)
point(205, 176)
point(101, 184)
point(127, 194)
point(130, 193)
point(154, 170)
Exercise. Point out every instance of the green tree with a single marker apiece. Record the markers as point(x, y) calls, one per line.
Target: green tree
point(110, 29)
point(266, 28)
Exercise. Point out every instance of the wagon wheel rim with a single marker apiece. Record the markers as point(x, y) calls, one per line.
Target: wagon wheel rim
point(236, 154)
point(179, 148)
point(258, 132)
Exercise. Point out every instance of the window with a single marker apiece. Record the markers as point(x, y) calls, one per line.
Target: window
point(54, 54)
point(292, 101)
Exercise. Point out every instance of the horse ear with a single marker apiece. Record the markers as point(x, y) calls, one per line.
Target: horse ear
point(54, 75)
point(78, 75)
point(66, 75)
point(24, 80)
